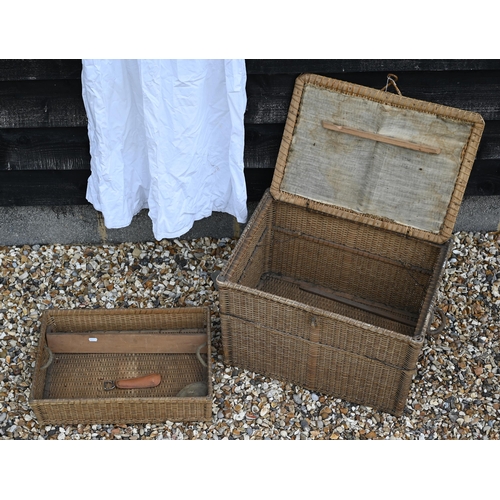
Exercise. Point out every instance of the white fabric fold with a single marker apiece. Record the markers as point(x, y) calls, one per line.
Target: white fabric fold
point(166, 135)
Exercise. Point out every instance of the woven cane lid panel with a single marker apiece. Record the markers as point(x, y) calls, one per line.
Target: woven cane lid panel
point(385, 160)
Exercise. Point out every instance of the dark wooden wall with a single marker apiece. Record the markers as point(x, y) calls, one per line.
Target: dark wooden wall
point(44, 149)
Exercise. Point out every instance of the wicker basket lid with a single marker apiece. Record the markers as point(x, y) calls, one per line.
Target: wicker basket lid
point(376, 157)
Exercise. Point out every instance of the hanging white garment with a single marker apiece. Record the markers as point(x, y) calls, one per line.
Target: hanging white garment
point(167, 135)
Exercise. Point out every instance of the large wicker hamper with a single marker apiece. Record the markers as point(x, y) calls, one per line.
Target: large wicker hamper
point(333, 281)
point(93, 347)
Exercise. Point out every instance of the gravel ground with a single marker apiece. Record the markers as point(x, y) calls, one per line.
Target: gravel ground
point(455, 394)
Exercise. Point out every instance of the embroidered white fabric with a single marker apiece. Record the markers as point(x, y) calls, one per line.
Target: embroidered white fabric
point(166, 135)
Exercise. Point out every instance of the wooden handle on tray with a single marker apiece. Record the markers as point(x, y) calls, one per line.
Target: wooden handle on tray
point(145, 382)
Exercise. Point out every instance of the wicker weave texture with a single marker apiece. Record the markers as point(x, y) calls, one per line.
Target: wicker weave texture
point(332, 283)
point(71, 389)
point(404, 191)
point(273, 326)
point(320, 367)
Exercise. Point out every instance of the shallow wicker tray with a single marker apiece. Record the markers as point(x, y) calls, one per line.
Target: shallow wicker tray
point(93, 346)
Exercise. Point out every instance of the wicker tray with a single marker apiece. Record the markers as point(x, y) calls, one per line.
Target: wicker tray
point(89, 347)
point(323, 293)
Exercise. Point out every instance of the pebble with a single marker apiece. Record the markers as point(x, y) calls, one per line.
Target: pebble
point(305, 426)
point(455, 392)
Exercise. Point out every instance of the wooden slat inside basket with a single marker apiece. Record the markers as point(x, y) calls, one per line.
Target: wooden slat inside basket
point(373, 307)
point(136, 341)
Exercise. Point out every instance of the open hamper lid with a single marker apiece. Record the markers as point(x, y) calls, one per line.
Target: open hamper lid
point(376, 157)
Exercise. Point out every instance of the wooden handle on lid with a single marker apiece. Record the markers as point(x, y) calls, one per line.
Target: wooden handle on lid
point(381, 138)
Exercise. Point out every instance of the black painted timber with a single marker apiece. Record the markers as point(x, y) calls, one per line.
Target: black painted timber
point(43, 187)
point(40, 69)
point(45, 103)
point(321, 66)
point(68, 187)
point(44, 149)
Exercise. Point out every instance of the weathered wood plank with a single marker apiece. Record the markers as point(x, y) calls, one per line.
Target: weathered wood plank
point(38, 187)
point(257, 181)
point(489, 148)
point(269, 95)
point(284, 66)
point(484, 179)
point(68, 187)
point(44, 149)
point(40, 69)
point(262, 143)
point(68, 148)
point(59, 104)
point(31, 104)
point(54, 69)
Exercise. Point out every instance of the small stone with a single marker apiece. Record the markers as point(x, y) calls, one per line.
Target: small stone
point(305, 426)
point(452, 397)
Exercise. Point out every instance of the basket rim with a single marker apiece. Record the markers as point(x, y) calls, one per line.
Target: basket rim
point(418, 340)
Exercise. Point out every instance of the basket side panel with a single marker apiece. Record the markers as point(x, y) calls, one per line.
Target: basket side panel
point(261, 313)
point(344, 271)
point(250, 258)
point(343, 374)
point(427, 313)
point(42, 358)
point(363, 381)
point(263, 351)
point(355, 235)
point(123, 411)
